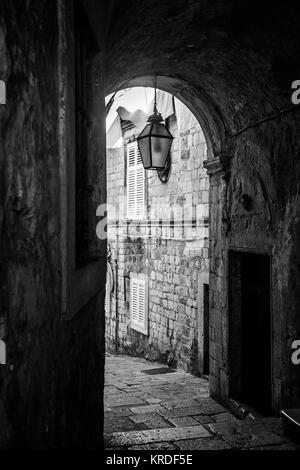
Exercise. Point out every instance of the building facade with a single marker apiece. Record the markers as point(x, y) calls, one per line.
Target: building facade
point(158, 239)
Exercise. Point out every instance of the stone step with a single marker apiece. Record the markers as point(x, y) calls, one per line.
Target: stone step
point(291, 421)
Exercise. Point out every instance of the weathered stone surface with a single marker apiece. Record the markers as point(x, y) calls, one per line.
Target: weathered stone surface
point(241, 434)
point(202, 408)
point(111, 390)
point(282, 447)
point(224, 430)
point(155, 447)
point(148, 409)
point(203, 419)
point(179, 403)
point(144, 417)
point(121, 412)
point(249, 440)
point(183, 421)
point(172, 267)
point(126, 401)
point(158, 424)
point(153, 401)
point(203, 444)
point(223, 417)
point(155, 435)
point(183, 411)
point(244, 99)
point(273, 424)
point(124, 424)
point(210, 406)
point(51, 390)
point(230, 427)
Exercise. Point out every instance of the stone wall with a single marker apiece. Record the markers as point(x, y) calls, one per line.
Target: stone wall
point(228, 61)
point(51, 387)
point(172, 257)
point(268, 226)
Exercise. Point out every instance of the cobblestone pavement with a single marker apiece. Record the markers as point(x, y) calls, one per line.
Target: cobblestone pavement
point(174, 412)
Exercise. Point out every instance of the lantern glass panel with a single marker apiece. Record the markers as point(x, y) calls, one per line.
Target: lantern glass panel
point(160, 147)
point(146, 131)
point(144, 146)
point(160, 129)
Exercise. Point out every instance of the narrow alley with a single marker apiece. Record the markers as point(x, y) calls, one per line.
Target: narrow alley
point(149, 226)
point(151, 407)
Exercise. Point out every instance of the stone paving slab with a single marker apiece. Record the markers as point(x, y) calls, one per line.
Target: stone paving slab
point(245, 434)
point(149, 409)
point(273, 425)
point(111, 390)
point(125, 401)
point(144, 417)
point(282, 447)
point(155, 435)
point(123, 411)
point(203, 444)
point(210, 406)
point(153, 401)
point(184, 421)
point(223, 417)
point(174, 412)
point(237, 427)
point(183, 411)
point(179, 403)
point(186, 396)
point(124, 427)
point(203, 419)
point(151, 421)
point(246, 441)
point(157, 446)
point(157, 424)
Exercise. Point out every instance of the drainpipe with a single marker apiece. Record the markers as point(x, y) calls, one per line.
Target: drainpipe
point(117, 303)
point(117, 308)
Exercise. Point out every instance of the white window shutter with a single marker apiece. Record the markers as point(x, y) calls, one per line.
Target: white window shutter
point(139, 304)
point(135, 183)
point(140, 191)
point(131, 193)
point(135, 301)
point(138, 155)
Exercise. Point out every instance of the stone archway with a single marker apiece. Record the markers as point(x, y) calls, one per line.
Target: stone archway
point(224, 148)
point(203, 108)
point(217, 162)
point(233, 64)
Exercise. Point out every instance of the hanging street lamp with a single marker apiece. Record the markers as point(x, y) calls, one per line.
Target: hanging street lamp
point(154, 141)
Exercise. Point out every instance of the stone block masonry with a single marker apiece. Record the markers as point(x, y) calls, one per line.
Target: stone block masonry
point(170, 247)
point(51, 385)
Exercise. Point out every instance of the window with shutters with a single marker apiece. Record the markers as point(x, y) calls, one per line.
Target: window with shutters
point(139, 304)
point(135, 183)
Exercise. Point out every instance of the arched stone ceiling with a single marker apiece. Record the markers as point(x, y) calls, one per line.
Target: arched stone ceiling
point(237, 57)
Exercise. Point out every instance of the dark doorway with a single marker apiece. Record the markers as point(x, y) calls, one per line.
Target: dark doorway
point(206, 329)
point(250, 329)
